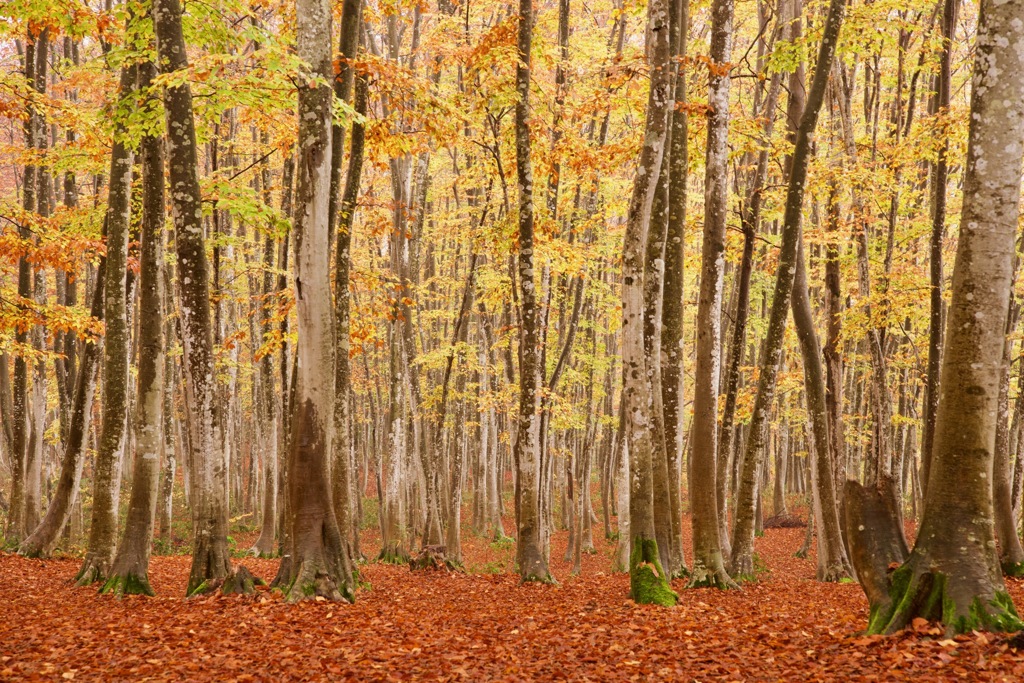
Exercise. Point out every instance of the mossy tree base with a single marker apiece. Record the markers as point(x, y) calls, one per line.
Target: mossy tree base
point(1014, 569)
point(94, 570)
point(435, 558)
point(393, 553)
point(127, 584)
point(961, 603)
point(648, 583)
point(833, 574)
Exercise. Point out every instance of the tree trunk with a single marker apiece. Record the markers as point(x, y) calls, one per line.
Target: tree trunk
point(742, 560)
point(708, 560)
point(211, 562)
point(953, 574)
point(531, 555)
point(940, 178)
point(320, 562)
point(130, 571)
point(107, 472)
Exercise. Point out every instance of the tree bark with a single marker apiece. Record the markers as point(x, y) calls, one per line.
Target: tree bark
point(708, 561)
point(320, 562)
point(130, 571)
point(107, 471)
point(953, 573)
point(742, 560)
point(531, 555)
point(211, 562)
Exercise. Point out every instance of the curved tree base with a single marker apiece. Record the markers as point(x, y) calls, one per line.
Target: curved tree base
point(94, 570)
point(262, 549)
point(36, 548)
point(648, 583)
point(211, 567)
point(313, 581)
point(922, 592)
point(833, 573)
point(393, 553)
point(715, 576)
point(128, 583)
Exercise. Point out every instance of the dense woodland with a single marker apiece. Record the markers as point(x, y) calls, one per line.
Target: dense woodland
point(370, 280)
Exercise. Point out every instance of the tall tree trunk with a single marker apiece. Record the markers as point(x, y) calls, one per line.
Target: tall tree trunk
point(130, 571)
point(320, 564)
point(107, 471)
point(708, 561)
point(648, 581)
point(531, 555)
point(953, 574)
point(940, 178)
point(211, 561)
point(742, 560)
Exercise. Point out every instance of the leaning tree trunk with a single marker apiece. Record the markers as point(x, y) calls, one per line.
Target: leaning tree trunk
point(742, 560)
point(211, 560)
point(531, 555)
point(107, 470)
point(45, 537)
point(320, 563)
point(953, 574)
point(130, 572)
point(832, 562)
point(708, 562)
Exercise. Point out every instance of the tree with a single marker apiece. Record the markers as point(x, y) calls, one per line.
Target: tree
point(952, 575)
point(211, 560)
point(107, 473)
point(531, 555)
point(742, 559)
point(648, 581)
point(708, 562)
point(320, 563)
point(130, 570)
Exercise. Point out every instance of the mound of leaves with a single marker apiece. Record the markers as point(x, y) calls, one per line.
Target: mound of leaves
point(784, 521)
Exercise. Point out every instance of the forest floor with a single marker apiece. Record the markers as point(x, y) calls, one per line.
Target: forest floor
point(476, 626)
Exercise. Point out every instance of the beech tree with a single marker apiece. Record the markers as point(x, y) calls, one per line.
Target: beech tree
point(940, 580)
point(320, 562)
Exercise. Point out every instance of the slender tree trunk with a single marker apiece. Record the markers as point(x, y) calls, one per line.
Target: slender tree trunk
point(107, 471)
point(211, 562)
point(42, 541)
point(742, 560)
point(940, 178)
point(130, 571)
point(708, 561)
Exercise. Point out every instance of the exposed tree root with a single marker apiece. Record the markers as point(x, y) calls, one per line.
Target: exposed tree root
point(433, 557)
point(94, 570)
point(241, 582)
